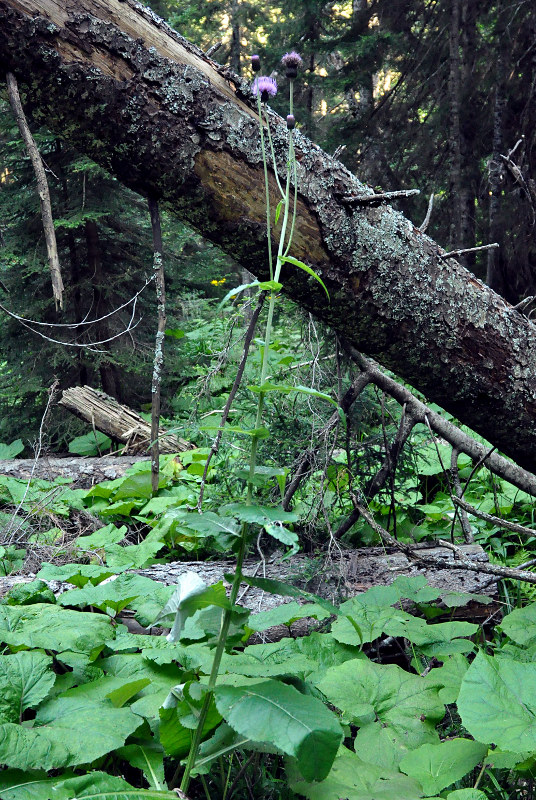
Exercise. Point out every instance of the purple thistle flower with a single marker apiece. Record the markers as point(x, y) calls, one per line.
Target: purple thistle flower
point(291, 122)
point(291, 61)
point(255, 63)
point(266, 87)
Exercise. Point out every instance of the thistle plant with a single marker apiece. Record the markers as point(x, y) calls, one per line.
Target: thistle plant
point(263, 89)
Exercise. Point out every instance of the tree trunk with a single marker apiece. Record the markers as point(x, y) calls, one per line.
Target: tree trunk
point(494, 272)
point(152, 108)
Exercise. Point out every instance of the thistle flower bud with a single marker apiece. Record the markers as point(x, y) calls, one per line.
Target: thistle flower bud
point(255, 63)
point(266, 87)
point(291, 122)
point(291, 61)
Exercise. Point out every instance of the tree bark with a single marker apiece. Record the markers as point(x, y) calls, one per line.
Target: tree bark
point(153, 109)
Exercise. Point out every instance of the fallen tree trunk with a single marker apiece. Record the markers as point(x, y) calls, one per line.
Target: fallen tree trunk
point(171, 124)
point(350, 573)
point(117, 421)
point(83, 472)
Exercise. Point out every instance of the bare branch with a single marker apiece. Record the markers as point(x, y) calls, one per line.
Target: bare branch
point(505, 469)
point(426, 221)
point(372, 199)
point(42, 189)
point(515, 527)
point(460, 561)
point(464, 520)
point(456, 253)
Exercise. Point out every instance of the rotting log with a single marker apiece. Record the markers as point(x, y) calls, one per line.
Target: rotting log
point(168, 122)
point(350, 573)
point(117, 421)
point(82, 472)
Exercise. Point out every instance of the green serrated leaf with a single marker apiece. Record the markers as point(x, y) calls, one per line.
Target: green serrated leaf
point(50, 627)
point(440, 765)
point(298, 725)
point(391, 707)
point(68, 730)
point(353, 778)
point(25, 680)
point(497, 702)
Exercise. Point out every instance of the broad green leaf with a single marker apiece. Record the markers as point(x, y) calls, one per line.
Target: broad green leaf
point(352, 778)
point(438, 766)
point(103, 537)
point(377, 697)
point(175, 333)
point(137, 486)
point(520, 625)
point(466, 794)
point(261, 515)
point(448, 678)
point(267, 660)
point(179, 717)
point(91, 444)
point(133, 556)
point(54, 628)
point(77, 574)
point(296, 263)
point(115, 594)
point(26, 594)
point(211, 523)
point(299, 725)
point(285, 615)
point(437, 639)
point(497, 702)
point(11, 450)
point(17, 785)
point(190, 595)
point(25, 680)
point(271, 519)
point(118, 697)
point(68, 730)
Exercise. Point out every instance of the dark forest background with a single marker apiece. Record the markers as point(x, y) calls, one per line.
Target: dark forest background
point(438, 96)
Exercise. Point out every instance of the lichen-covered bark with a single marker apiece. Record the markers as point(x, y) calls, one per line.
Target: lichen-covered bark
point(155, 111)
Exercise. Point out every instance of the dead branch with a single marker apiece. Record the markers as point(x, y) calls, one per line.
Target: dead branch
point(456, 253)
point(503, 468)
point(460, 561)
point(426, 221)
point(373, 199)
point(42, 189)
point(455, 475)
point(515, 527)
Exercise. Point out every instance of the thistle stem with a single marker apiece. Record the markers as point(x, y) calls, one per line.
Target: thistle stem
point(235, 587)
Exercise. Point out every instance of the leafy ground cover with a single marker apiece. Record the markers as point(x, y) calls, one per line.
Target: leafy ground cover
point(89, 709)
